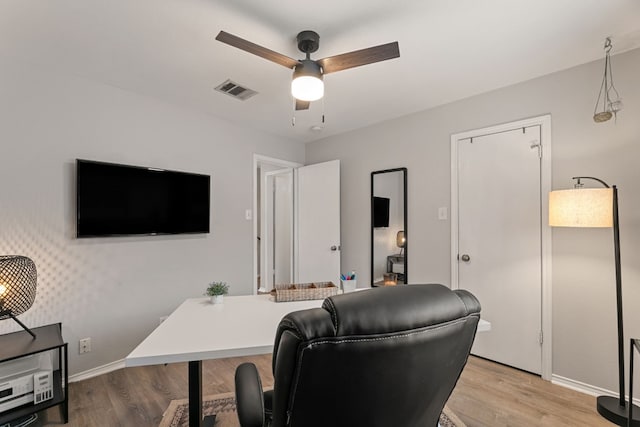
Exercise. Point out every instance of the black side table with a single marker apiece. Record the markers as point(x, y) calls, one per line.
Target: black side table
point(396, 259)
point(20, 344)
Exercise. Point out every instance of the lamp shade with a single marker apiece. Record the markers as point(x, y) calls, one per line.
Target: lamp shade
point(400, 239)
point(581, 207)
point(17, 285)
point(307, 84)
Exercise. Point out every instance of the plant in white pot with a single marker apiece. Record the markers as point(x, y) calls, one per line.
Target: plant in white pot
point(217, 291)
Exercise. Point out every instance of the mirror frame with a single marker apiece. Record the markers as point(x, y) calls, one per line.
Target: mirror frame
point(406, 245)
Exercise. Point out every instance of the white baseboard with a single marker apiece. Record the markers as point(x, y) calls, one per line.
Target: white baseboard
point(585, 388)
point(104, 369)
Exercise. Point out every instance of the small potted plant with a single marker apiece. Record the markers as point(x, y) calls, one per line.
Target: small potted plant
point(217, 290)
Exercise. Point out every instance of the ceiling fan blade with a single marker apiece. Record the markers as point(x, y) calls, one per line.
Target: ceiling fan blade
point(359, 57)
point(302, 105)
point(255, 49)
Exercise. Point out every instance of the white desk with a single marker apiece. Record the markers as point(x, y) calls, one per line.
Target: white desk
point(198, 330)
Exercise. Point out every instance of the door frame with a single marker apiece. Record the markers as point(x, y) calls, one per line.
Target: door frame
point(545, 231)
point(258, 160)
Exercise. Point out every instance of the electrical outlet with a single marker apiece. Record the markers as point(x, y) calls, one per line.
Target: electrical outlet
point(248, 215)
point(85, 345)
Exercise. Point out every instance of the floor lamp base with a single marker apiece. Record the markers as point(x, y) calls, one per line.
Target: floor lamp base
point(609, 407)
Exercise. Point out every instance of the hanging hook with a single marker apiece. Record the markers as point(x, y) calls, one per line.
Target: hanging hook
point(607, 45)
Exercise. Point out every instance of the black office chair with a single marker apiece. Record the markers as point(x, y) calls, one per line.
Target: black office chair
point(387, 356)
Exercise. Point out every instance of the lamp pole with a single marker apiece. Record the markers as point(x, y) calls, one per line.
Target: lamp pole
point(615, 410)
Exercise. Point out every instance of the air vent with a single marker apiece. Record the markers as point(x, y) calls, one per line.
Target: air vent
point(235, 90)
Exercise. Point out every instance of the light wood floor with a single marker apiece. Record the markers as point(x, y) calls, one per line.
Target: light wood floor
point(487, 394)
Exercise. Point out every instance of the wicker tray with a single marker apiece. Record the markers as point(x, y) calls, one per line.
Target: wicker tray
point(304, 291)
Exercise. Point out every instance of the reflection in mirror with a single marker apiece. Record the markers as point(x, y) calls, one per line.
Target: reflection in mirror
point(389, 227)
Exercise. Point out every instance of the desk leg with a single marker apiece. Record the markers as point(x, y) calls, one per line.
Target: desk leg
point(195, 397)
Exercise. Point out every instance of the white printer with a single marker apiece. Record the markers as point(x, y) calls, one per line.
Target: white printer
point(26, 380)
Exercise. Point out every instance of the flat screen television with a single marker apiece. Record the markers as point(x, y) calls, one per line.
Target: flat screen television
point(380, 212)
point(122, 200)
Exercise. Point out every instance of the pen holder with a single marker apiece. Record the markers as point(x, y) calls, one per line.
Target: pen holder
point(349, 285)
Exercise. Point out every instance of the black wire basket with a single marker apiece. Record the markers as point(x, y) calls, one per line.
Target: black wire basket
point(17, 285)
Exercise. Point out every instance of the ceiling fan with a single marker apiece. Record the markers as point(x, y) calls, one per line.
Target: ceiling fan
point(307, 84)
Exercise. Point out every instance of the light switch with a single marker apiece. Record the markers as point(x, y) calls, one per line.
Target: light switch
point(247, 214)
point(442, 213)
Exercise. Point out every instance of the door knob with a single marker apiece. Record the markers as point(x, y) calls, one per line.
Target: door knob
point(465, 258)
point(335, 248)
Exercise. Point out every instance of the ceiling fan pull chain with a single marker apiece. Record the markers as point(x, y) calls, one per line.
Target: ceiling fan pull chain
point(293, 115)
point(323, 110)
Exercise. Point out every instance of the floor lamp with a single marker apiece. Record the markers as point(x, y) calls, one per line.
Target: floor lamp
point(597, 207)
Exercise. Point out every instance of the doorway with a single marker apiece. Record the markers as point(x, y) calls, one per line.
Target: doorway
point(296, 226)
point(276, 229)
point(501, 244)
point(273, 208)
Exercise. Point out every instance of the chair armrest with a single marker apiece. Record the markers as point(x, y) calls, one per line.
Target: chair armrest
point(249, 397)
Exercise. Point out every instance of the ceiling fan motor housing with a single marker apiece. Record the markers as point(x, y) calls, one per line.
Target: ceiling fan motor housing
point(308, 41)
point(308, 67)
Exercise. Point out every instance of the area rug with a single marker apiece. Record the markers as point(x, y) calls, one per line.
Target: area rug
point(224, 406)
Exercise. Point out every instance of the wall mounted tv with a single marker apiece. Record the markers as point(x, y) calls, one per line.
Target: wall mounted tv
point(380, 212)
point(121, 200)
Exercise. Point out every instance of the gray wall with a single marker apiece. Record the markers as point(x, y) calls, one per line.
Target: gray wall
point(584, 333)
point(115, 289)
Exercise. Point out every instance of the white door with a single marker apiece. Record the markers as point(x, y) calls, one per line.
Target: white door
point(499, 242)
point(318, 223)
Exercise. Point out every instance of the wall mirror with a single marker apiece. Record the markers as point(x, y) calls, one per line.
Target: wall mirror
point(389, 238)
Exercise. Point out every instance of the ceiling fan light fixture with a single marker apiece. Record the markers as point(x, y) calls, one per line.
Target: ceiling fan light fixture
point(307, 83)
point(307, 88)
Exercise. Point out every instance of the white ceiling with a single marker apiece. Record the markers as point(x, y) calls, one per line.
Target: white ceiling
point(449, 50)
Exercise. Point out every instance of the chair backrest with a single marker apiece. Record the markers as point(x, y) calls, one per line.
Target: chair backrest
point(382, 357)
